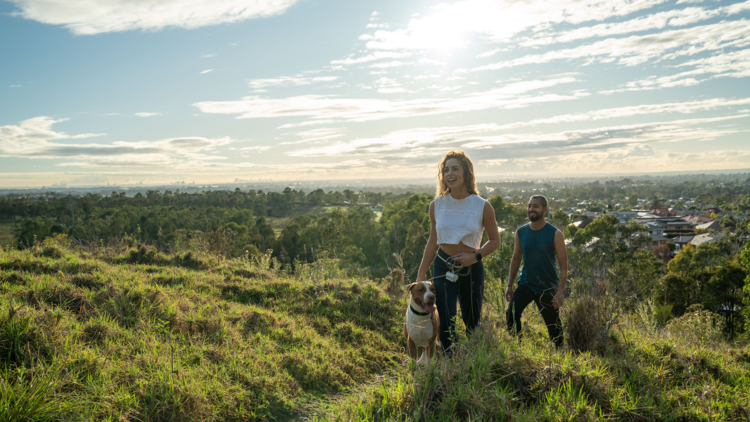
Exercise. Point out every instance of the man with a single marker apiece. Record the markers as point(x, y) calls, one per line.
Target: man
point(538, 242)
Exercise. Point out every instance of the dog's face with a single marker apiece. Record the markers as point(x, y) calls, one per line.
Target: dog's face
point(423, 293)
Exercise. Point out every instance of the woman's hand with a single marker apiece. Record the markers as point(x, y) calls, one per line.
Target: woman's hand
point(558, 300)
point(421, 277)
point(465, 259)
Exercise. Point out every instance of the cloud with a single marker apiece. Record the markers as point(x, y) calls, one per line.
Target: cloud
point(645, 159)
point(256, 148)
point(84, 17)
point(378, 55)
point(206, 71)
point(208, 56)
point(35, 138)
point(395, 63)
point(497, 21)
point(370, 109)
point(15, 86)
point(409, 141)
point(425, 141)
point(639, 110)
point(316, 135)
point(289, 81)
point(147, 114)
point(659, 20)
point(570, 142)
point(735, 64)
point(635, 50)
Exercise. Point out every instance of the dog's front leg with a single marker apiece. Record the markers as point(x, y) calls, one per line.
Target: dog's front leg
point(413, 350)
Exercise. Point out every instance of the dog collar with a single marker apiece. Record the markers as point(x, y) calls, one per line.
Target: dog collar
point(418, 313)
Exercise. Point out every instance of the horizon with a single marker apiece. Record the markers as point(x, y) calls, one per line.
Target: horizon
point(296, 91)
point(279, 185)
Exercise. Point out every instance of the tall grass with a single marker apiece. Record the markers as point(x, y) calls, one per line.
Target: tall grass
point(614, 367)
point(132, 334)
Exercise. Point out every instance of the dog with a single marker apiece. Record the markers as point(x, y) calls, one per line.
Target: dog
point(422, 322)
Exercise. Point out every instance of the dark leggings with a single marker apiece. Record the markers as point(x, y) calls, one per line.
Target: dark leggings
point(468, 290)
point(521, 299)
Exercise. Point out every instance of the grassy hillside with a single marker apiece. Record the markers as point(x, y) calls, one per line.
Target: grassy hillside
point(135, 335)
point(680, 373)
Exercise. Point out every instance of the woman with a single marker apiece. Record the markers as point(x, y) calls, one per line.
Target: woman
point(458, 216)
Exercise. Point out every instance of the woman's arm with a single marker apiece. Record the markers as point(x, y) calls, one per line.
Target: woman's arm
point(431, 249)
point(493, 238)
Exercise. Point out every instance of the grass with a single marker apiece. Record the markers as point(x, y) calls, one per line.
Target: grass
point(641, 375)
point(137, 335)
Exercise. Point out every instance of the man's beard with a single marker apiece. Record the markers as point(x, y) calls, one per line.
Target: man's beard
point(536, 217)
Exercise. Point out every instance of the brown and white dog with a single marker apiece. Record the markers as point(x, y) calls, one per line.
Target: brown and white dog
point(422, 323)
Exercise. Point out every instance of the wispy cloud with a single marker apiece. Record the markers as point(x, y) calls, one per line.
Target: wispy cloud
point(635, 50)
point(496, 20)
point(289, 81)
point(206, 71)
point(378, 55)
point(85, 17)
point(147, 114)
point(659, 20)
point(316, 135)
point(429, 141)
point(369, 109)
point(735, 64)
point(35, 138)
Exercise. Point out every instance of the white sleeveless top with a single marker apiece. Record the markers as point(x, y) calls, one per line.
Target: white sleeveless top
point(459, 220)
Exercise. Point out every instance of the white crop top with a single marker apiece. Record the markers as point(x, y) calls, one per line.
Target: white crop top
point(459, 220)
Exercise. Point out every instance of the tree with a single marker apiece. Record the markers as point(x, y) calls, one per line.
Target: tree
point(724, 294)
point(560, 219)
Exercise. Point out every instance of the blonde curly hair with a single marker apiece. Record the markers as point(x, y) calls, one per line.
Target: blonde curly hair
point(469, 179)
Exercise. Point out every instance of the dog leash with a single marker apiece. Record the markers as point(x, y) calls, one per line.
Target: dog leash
point(454, 269)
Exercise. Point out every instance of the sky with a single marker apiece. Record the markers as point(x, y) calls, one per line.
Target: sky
point(127, 92)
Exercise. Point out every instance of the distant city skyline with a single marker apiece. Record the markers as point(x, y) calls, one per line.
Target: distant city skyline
point(210, 92)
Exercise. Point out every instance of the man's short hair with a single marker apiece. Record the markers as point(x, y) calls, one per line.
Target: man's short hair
point(541, 199)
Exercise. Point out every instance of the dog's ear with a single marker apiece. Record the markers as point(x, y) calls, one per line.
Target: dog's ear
point(408, 288)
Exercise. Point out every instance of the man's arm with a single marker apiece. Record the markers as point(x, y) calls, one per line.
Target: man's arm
point(562, 259)
point(515, 263)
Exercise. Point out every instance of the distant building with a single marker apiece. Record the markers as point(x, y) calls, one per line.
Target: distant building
point(661, 211)
point(668, 225)
point(711, 225)
point(703, 238)
point(698, 219)
point(681, 241)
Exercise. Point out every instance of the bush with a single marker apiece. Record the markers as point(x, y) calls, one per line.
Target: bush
point(697, 325)
point(589, 317)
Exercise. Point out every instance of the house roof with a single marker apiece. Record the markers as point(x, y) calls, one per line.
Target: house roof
point(657, 238)
point(702, 238)
point(697, 219)
point(682, 240)
point(712, 225)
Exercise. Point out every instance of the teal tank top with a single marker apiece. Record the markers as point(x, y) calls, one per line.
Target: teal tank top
point(539, 272)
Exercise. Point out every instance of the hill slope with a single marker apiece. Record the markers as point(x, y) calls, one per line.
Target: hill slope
point(137, 335)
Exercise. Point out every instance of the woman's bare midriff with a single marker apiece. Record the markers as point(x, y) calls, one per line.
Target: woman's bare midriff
point(453, 250)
